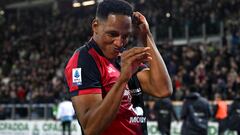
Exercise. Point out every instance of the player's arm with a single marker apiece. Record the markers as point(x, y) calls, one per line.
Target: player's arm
point(155, 80)
point(96, 113)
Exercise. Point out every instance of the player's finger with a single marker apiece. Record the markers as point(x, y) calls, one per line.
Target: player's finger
point(139, 57)
point(144, 58)
point(134, 51)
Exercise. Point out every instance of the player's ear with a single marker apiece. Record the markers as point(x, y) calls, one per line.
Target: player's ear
point(95, 25)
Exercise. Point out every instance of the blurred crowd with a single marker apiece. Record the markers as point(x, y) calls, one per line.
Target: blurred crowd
point(209, 68)
point(33, 54)
point(36, 42)
point(193, 13)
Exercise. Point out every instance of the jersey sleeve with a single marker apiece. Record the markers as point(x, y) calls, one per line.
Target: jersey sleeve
point(142, 67)
point(82, 75)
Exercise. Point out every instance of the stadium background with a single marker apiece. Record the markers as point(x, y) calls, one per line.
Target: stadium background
point(198, 39)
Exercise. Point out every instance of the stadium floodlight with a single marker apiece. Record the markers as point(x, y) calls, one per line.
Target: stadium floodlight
point(168, 15)
point(88, 3)
point(76, 3)
point(1, 12)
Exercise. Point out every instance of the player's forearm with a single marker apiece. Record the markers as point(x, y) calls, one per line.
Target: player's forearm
point(102, 115)
point(159, 76)
point(158, 80)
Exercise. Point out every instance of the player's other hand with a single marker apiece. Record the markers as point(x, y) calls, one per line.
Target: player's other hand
point(131, 60)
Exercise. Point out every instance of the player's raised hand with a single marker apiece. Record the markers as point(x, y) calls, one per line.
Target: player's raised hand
point(131, 59)
point(140, 24)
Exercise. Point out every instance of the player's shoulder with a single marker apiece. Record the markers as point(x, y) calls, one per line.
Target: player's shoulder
point(82, 51)
point(81, 58)
point(81, 54)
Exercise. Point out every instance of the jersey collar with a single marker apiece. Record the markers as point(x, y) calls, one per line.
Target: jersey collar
point(94, 45)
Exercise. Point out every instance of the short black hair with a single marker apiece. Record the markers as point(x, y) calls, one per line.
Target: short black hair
point(117, 7)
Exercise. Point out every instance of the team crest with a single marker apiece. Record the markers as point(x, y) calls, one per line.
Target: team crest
point(77, 76)
point(111, 70)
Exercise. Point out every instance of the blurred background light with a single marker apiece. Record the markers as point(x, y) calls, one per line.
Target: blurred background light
point(88, 3)
point(168, 15)
point(76, 3)
point(1, 12)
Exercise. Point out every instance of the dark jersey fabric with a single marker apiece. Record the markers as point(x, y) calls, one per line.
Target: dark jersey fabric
point(89, 72)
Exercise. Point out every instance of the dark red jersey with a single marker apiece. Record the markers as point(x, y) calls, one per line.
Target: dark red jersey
point(88, 71)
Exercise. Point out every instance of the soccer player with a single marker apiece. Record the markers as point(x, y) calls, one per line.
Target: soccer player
point(104, 82)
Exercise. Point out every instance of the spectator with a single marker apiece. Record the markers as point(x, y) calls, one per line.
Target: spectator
point(21, 94)
point(65, 113)
point(2, 113)
point(221, 113)
point(151, 112)
point(165, 114)
point(234, 115)
point(195, 114)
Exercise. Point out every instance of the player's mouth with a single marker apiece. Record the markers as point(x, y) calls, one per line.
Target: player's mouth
point(119, 50)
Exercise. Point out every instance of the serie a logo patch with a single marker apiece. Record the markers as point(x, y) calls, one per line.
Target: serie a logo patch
point(77, 76)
